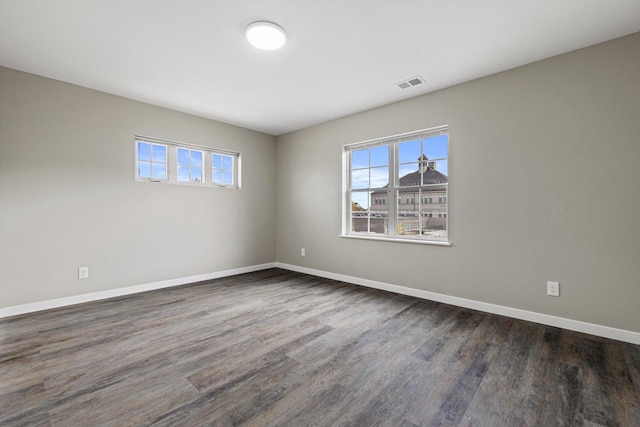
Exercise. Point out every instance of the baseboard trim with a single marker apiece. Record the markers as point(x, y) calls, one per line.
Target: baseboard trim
point(95, 296)
point(545, 319)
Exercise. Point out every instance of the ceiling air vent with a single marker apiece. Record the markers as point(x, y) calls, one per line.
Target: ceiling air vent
point(413, 81)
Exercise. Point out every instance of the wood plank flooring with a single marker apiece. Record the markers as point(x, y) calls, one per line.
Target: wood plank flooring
point(287, 349)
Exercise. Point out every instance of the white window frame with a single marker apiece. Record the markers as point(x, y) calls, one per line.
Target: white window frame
point(189, 165)
point(172, 163)
point(234, 168)
point(393, 189)
point(151, 162)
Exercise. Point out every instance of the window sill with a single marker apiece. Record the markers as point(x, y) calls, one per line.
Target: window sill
point(395, 239)
point(188, 184)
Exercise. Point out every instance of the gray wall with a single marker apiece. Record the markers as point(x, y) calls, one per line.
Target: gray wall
point(68, 197)
point(553, 146)
point(544, 185)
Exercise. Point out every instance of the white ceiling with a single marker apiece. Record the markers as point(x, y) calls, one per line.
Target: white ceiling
point(343, 56)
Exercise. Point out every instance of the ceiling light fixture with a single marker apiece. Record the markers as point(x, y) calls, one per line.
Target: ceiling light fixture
point(266, 35)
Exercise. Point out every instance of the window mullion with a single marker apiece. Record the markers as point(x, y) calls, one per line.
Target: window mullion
point(348, 226)
point(392, 196)
point(172, 159)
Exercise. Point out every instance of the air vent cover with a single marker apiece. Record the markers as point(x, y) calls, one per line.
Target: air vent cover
point(413, 81)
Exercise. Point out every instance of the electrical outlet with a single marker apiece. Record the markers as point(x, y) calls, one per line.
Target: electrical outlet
point(553, 289)
point(83, 272)
point(302, 252)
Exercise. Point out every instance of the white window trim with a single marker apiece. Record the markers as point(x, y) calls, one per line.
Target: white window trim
point(172, 163)
point(392, 210)
point(189, 166)
point(396, 239)
point(233, 168)
point(151, 162)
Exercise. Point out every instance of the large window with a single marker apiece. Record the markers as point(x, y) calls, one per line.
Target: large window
point(179, 163)
point(411, 172)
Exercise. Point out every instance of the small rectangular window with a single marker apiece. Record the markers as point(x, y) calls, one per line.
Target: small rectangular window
point(190, 165)
point(159, 160)
point(223, 169)
point(152, 160)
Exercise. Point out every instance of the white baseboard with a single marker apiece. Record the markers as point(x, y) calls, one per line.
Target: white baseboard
point(545, 319)
point(95, 296)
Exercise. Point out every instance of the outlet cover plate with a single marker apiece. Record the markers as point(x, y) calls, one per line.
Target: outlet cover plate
point(83, 272)
point(553, 289)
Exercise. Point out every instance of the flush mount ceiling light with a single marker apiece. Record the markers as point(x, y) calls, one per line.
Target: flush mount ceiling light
point(266, 35)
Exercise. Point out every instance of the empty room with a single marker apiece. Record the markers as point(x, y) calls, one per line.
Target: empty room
point(319, 213)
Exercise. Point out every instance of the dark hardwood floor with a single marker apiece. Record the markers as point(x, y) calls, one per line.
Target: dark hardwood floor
point(287, 349)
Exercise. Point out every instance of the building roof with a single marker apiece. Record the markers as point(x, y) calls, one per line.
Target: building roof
point(430, 176)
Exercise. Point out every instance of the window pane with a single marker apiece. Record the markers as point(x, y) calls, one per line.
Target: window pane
point(378, 213)
point(380, 156)
point(360, 178)
point(196, 158)
point(441, 166)
point(408, 213)
point(359, 211)
point(159, 153)
point(359, 222)
point(408, 175)
point(359, 159)
point(217, 161)
point(227, 163)
point(379, 222)
point(158, 171)
point(360, 201)
point(144, 169)
point(436, 147)
point(183, 156)
point(217, 177)
point(183, 173)
point(434, 224)
point(409, 151)
point(196, 174)
point(144, 151)
point(433, 216)
point(379, 177)
point(227, 177)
